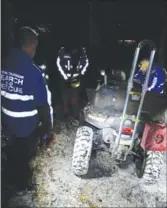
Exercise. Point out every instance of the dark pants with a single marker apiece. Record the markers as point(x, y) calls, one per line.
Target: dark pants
point(70, 98)
point(20, 152)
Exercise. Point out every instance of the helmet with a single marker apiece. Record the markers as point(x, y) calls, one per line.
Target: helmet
point(144, 64)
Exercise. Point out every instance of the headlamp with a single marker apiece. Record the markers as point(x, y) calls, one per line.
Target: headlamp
point(75, 84)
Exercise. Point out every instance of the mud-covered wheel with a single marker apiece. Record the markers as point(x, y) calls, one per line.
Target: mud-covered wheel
point(149, 168)
point(82, 150)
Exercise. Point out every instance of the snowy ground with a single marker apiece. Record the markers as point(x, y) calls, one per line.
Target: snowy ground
point(106, 186)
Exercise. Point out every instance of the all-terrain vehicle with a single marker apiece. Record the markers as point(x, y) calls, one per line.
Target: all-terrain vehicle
point(118, 121)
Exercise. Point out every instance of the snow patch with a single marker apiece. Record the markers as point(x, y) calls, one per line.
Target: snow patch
point(57, 186)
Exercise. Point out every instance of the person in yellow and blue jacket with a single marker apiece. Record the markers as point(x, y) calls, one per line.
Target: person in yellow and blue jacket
point(157, 77)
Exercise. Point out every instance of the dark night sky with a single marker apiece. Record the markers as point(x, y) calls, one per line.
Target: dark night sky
point(71, 18)
point(112, 20)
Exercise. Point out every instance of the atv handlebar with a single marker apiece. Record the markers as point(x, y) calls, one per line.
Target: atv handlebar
point(150, 43)
point(130, 86)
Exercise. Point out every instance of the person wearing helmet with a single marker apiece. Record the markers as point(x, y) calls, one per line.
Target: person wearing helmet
point(72, 64)
point(157, 76)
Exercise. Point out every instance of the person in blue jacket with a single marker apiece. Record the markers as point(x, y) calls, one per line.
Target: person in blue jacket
point(157, 76)
point(26, 113)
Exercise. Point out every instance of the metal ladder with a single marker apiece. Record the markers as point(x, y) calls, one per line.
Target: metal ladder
point(129, 88)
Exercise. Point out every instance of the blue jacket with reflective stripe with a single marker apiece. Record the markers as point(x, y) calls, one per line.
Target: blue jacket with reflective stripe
point(156, 81)
point(22, 90)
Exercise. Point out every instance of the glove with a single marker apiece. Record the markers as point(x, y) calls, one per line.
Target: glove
point(46, 125)
point(47, 139)
point(51, 138)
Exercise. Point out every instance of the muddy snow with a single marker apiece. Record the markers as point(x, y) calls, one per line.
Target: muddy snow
point(105, 186)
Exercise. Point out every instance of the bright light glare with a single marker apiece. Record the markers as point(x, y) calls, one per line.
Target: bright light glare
point(129, 41)
point(102, 72)
point(126, 41)
point(43, 67)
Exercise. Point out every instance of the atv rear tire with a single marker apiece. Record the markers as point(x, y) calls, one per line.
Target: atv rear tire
point(150, 168)
point(82, 150)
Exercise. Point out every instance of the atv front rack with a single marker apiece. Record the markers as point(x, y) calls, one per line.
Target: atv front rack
point(129, 89)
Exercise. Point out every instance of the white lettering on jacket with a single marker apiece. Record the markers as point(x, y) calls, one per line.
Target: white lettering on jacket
point(12, 82)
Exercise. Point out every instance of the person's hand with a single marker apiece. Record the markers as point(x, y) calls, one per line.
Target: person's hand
point(51, 138)
point(47, 139)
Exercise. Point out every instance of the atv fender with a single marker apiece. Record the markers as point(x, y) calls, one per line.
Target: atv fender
point(154, 137)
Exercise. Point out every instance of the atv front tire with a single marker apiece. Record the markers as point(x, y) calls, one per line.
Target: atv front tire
point(150, 168)
point(82, 150)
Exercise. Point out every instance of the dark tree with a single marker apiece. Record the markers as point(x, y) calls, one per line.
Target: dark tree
point(163, 46)
point(7, 27)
